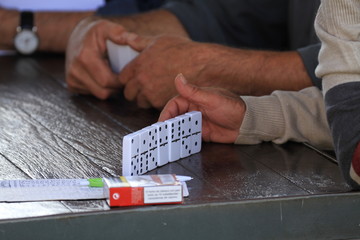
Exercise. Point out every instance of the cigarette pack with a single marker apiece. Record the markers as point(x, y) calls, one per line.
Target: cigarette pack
point(143, 190)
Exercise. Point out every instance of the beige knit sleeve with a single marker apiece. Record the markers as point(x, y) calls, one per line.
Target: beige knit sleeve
point(337, 25)
point(286, 116)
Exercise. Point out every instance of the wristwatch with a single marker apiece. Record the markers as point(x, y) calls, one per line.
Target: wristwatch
point(26, 40)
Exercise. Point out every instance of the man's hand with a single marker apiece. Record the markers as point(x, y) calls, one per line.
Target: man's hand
point(87, 66)
point(223, 111)
point(148, 78)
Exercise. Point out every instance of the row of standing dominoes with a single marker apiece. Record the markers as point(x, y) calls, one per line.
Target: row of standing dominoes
point(160, 143)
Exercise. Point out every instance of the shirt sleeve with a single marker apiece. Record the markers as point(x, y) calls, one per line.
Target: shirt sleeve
point(337, 26)
point(309, 56)
point(198, 19)
point(127, 7)
point(286, 116)
point(259, 24)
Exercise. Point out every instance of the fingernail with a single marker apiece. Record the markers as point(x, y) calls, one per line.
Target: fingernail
point(182, 78)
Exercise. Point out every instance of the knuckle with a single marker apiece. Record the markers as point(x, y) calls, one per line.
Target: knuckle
point(103, 94)
point(103, 82)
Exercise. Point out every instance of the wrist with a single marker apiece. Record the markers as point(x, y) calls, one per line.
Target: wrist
point(9, 20)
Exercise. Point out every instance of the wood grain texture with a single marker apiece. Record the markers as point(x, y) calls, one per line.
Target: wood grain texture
point(47, 132)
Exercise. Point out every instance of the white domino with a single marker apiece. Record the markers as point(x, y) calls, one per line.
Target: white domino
point(196, 125)
point(185, 135)
point(160, 143)
point(174, 138)
point(148, 149)
point(119, 55)
point(163, 143)
point(130, 154)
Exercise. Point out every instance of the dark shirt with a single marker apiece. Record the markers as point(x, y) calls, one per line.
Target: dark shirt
point(258, 24)
point(127, 7)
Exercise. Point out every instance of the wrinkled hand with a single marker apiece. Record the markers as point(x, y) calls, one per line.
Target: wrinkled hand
point(148, 79)
point(222, 111)
point(87, 66)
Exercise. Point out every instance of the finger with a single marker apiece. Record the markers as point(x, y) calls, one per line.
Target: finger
point(137, 42)
point(127, 73)
point(131, 90)
point(205, 98)
point(191, 92)
point(100, 71)
point(142, 101)
point(175, 107)
point(79, 78)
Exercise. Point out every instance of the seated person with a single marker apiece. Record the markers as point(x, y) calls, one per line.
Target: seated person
point(282, 116)
point(337, 25)
point(281, 32)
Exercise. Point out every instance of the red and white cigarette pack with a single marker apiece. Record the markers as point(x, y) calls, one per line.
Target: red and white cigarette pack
point(143, 190)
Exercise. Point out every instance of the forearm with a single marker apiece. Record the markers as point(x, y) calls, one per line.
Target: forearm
point(252, 72)
point(152, 23)
point(286, 116)
point(53, 28)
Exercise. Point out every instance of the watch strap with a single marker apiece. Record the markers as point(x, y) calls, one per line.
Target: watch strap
point(27, 20)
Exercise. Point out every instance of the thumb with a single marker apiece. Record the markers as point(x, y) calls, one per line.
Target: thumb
point(191, 92)
point(137, 42)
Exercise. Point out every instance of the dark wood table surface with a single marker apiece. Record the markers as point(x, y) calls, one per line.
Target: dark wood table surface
point(264, 191)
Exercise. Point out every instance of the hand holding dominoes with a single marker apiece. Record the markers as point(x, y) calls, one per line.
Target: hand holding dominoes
point(119, 55)
point(162, 142)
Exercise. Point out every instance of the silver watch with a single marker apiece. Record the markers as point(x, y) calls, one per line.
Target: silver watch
point(26, 40)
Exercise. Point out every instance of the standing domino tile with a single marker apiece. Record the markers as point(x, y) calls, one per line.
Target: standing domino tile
point(148, 150)
point(174, 138)
point(119, 55)
point(130, 154)
point(185, 135)
point(163, 143)
point(196, 125)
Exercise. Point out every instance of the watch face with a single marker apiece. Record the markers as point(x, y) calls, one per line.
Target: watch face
point(26, 42)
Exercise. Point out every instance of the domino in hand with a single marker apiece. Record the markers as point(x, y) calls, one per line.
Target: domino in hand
point(162, 142)
point(119, 55)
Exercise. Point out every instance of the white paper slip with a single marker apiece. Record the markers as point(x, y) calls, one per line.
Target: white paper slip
point(48, 189)
point(185, 189)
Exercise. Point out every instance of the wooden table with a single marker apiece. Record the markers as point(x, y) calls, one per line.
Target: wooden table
point(263, 191)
